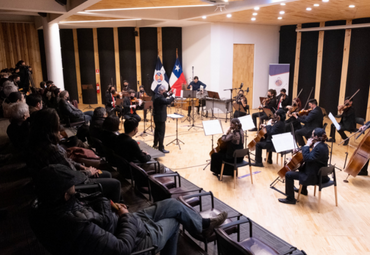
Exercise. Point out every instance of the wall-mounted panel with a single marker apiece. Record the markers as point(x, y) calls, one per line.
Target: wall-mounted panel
point(68, 62)
point(106, 59)
point(127, 55)
point(332, 66)
point(171, 40)
point(149, 52)
point(288, 41)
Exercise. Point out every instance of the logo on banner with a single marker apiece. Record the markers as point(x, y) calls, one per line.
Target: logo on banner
point(158, 77)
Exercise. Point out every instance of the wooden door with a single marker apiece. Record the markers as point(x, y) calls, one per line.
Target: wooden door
point(243, 67)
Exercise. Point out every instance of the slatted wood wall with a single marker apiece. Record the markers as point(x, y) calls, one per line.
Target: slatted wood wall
point(19, 41)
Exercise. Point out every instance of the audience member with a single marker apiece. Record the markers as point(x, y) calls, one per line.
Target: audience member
point(34, 102)
point(68, 110)
point(18, 130)
point(110, 131)
point(13, 98)
point(96, 123)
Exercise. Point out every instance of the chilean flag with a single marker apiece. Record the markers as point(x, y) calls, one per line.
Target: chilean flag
point(159, 77)
point(177, 78)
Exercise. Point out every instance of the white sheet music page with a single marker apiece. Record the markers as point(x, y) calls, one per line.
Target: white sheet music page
point(335, 122)
point(247, 122)
point(283, 142)
point(212, 127)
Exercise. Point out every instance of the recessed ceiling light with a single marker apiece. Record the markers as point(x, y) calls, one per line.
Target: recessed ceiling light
point(351, 6)
point(255, 13)
point(256, 8)
point(253, 19)
point(316, 5)
point(228, 15)
point(308, 8)
point(204, 17)
point(325, 1)
point(282, 12)
point(282, 4)
point(226, 1)
point(280, 17)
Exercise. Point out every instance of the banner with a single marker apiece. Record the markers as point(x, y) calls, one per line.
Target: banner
point(279, 77)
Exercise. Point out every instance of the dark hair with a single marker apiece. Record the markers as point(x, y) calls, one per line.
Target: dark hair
point(42, 84)
point(273, 92)
point(124, 81)
point(63, 93)
point(196, 77)
point(49, 83)
point(313, 101)
point(111, 123)
point(14, 97)
point(130, 125)
point(13, 77)
point(237, 123)
point(44, 127)
point(33, 99)
point(141, 86)
point(131, 91)
point(99, 112)
point(281, 114)
point(19, 63)
point(283, 90)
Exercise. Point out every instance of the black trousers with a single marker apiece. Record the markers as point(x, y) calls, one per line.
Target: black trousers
point(111, 187)
point(261, 115)
point(159, 130)
point(239, 114)
point(134, 115)
point(296, 124)
point(341, 132)
point(263, 145)
point(289, 183)
point(303, 132)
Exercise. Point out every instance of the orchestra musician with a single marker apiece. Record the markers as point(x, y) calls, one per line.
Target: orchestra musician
point(140, 95)
point(295, 107)
point(125, 86)
point(195, 85)
point(241, 100)
point(308, 172)
point(160, 103)
point(201, 95)
point(283, 100)
point(277, 128)
point(347, 122)
point(130, 104)
point(234, 139)
point(110, 101)
point(313, 120)
point(364, 169)
point(269, 103)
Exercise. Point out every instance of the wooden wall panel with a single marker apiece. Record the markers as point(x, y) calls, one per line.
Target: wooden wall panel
point(19, 41)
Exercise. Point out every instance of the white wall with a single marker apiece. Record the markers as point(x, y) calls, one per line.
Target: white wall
point(217, 42)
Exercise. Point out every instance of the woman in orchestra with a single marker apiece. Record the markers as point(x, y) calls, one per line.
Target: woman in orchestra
point(241, 100)
point(140, 95)
point(270, 103)
point(234, 139)
point(295, 107)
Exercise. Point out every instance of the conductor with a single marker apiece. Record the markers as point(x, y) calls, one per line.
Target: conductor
point(160, 103)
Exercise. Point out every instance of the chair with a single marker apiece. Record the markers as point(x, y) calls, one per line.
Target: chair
point(324, 171)
point(241, 153)
point(249, 246)
point(97, 144)
point(209, 214)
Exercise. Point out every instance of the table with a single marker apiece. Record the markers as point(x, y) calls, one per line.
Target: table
point(154, 153)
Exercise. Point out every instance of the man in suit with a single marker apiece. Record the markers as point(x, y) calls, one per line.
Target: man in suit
point(129, 108)
point(267, 144)
point(283, 100)
point(271, 104)
point(311, 121)
point(313, 161)
point(347, 122)
point(160, 116)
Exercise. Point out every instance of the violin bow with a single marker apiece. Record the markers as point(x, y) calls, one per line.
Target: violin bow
point(299, 93)
point(353, 95)
point(308, 98)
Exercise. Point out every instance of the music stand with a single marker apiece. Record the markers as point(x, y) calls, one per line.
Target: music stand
point(238, 107)
point(177, 141)
point(148, 105)
point(212, 127)
point(119, 101)
point(247, 124)
point(268, 112)
point(191, 95)
point(213, 95)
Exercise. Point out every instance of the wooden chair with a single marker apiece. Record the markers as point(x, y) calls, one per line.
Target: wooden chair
point(241, 153)
point(324, 171)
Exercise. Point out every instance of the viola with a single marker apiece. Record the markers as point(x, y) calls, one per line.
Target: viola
point(304, 112)
point(261, 134)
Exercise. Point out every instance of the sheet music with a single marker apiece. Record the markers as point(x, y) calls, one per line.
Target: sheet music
point(212, 127)
point(247, 122)
point(175, 116)
point(283, 142)
point(335, 122)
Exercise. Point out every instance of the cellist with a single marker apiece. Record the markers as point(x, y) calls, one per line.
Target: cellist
point(234, 139)
point(364, 169)
point(308, 172)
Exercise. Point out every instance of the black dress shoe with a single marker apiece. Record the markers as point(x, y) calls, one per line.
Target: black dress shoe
point(164, 151)
point(215, 174)
point(331, 140)
point(257, 164)
point(155, 146)
point(303, 191)
point(346, 143)
point(287, 201)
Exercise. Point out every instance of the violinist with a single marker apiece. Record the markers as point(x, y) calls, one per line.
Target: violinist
point(110, 101)
point(283, 100)
point(308, 172)
point(295, 107)
point(234, 139)
point(270, 103)
point(130, 104)
point(347, 122)
point(241, 100)
point(277, 128)
point(140, 94)
point(313, 120)
point(125, 86)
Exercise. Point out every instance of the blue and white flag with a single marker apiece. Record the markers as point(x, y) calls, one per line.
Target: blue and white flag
point(159, 77)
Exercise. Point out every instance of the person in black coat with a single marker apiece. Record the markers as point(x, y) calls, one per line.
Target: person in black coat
point(66, 223)
point(313, 120)
point(160, 116)
point(271, 104)
point(129, 107)
point(109, 99)
point(313, 161)
point(283, 100)
point(66, 109)
point(277, 128)
point(347, 122)
point(95, 129)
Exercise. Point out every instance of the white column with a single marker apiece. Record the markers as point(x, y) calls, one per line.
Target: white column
point(53, 53)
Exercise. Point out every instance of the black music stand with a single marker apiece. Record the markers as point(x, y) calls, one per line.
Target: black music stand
point(268, 112)
point(213, 95)
point(148, 105)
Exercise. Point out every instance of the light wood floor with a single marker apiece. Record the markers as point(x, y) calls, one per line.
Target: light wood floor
point(336, 230)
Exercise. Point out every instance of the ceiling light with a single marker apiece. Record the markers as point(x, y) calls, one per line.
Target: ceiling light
point(325, 1)
point(308, 8)
point(282, 4)
point(143, 8)
point(204, 17)
point(228, 15)
point(256, 8)
point(351, 6)
point(226, 1)
point(253, 19)
point(280, 17)
point(282, 12)
point(103, 20)
point(316, 5)
point(255, 13)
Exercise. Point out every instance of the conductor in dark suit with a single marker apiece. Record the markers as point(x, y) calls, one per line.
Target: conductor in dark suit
point(160, 103)
point(277, 128)
point(311, 121)
point(313, 161)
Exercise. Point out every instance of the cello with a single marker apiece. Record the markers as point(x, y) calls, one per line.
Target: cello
point(261, 134)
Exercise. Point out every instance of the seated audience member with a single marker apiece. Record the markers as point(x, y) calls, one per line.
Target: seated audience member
point(8, 87)
point(129, 107)
point(18, 130)
point(67, 224)
point(127, 147)
point(43, 149)
point(34, 102)
point(54, 99)
point(67, 109)
point(13, 98)
point(110, 131)
point(95, 129)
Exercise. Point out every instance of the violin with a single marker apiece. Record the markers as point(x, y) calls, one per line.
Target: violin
point(142, 94)
point(347, 103)
point(304, 112)
point(261, 134)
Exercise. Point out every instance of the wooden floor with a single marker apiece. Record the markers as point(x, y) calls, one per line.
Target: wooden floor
point(336, 230)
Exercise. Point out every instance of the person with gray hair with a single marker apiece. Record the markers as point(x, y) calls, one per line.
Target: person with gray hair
point(18, 130)
point(9, 87)
point(160, 103)
point(68, 110)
